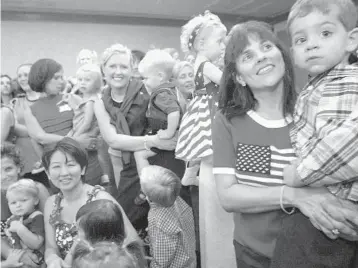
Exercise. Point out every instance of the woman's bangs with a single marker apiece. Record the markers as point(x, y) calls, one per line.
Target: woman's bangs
point(242, 36)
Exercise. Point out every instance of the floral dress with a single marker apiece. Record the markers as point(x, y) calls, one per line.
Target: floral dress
point(66, 232)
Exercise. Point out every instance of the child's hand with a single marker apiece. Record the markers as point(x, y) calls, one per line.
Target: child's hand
point(163, 134)
point(15, 226)
point(290, 177)
point(13, 259)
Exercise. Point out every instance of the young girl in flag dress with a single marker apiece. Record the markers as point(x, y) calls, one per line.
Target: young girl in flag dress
point(204, 36)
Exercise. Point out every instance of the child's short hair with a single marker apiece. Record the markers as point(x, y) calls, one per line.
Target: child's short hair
point(101, 220)
point(93, 69)
point(348, 14)
point(198, 27)
point(160, 185)
point(157, 59)
point(24, 186)
point(104, 255)
point(92, 53)
point(10, 151)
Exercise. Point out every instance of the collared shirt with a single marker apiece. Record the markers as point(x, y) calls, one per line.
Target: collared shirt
point(325, 134)
point(172, 236)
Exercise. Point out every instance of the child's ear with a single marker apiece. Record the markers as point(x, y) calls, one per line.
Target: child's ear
point(37, 201)
point(200, 44)
point(83, 171)
point(352, 41)
point(161, 76)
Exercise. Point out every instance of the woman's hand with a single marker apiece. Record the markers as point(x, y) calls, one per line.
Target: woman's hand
point(163, 144)
point(13, 260)
point(318, 204)
point(343, 211)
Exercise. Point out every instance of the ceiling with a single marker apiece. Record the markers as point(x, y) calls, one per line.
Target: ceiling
point(159, 9)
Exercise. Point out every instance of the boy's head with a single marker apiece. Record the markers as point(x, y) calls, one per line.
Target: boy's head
point(22, 197)
point(160, 185)
point(89, 78)
point(323, 33)
point(156, 68)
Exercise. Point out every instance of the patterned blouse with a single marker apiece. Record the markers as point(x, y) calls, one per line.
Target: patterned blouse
point(66, 232)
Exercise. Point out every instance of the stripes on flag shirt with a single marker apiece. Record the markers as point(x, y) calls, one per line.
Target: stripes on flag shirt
point(255, 150)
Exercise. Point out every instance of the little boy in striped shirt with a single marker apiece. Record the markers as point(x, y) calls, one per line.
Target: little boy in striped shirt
point(325, 137)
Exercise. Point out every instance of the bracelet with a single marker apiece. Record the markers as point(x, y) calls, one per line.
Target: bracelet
point(281, 203)
point(146, 143)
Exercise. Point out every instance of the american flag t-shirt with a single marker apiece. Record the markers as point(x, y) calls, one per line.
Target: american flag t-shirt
point(261, 166)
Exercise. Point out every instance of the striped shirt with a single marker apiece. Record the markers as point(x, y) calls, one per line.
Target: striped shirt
point(325, 136)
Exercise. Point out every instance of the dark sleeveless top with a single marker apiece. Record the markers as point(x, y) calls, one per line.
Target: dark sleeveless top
point(66, 232)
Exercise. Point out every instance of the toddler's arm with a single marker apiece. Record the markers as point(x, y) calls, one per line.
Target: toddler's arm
point(173, 123)
point(212, 72)
point(30, 239)
point(87, 120)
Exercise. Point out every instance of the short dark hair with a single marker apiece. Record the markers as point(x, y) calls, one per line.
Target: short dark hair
point(101, 220)
point(67, 146)
point(235, 99)
point(41, 72)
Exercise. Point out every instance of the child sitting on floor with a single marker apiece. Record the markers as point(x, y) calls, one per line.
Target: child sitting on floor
point(25, 228)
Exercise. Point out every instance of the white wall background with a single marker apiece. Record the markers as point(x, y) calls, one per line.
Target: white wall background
point(28, 41)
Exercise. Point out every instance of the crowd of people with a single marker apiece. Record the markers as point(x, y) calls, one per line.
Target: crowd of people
point(146, 160)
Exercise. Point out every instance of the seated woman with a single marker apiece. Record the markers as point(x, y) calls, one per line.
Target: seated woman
point(252, 145)
point(49, 119)
point(66, 165)
point(11, 167)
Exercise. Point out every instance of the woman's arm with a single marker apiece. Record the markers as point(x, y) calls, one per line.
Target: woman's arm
point(52, 255)
point(87, 120)
point(131, 234)
point(20, 130)
point(7, 121)
point(121, 141)
point(35, 130)
point(236, 197)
